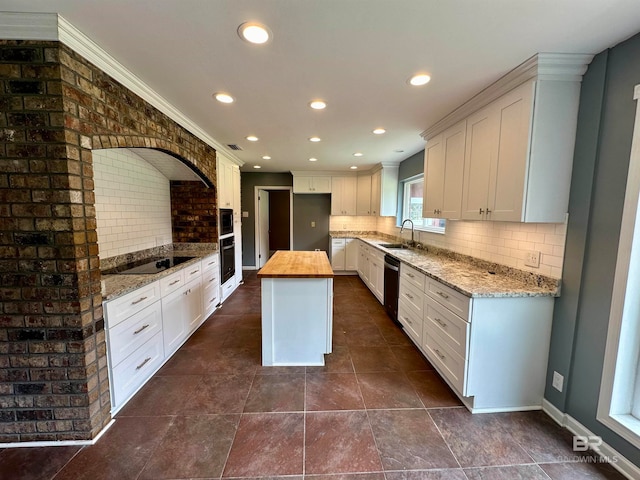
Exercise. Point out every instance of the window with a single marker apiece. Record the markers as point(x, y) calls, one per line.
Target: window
point(619, 403)
point(412, 207)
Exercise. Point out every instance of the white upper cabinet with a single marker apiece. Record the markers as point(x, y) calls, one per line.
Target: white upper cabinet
point(384, 191)
point(444, 166)
point(363, 201)
point(343, 195)
point(311, 184)
point(228, 184)
point(518, 146)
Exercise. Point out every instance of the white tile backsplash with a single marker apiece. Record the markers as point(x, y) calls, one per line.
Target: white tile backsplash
point(133, 203)
point(500, 242)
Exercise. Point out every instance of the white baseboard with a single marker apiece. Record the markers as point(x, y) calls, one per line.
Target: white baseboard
point(61, 443)
point(624, 466)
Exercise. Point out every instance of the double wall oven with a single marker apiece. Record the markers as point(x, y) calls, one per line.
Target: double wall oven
point(227, 245)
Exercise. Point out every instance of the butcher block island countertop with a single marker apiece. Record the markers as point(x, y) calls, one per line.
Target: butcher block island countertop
point(292, 264)
point(297, 308)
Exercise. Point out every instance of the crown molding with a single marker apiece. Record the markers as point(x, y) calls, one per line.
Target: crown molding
point(29, 26)
point(567, 67)
point(51, 26)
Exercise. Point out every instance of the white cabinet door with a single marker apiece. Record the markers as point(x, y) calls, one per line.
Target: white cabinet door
point(343, 195)
point(351, 254)
point(454, 140)
point(225, 183)
point(376, 186)
point(482, 129)
point(337, 253)
point(311, 184)
point(363, 201)
point(433, 177)
point(174, 327)
point(193, 310)
point(509, 169)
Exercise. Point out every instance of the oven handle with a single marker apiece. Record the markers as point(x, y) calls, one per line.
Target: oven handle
point(391, 267)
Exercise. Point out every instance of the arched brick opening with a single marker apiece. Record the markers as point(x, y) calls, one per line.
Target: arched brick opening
point(57, 107)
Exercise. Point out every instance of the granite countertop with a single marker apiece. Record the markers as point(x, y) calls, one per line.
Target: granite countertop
point(467, 275)
point(117, 285)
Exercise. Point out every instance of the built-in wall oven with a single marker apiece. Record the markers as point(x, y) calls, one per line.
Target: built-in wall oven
point(227, 258)
point(226, 221)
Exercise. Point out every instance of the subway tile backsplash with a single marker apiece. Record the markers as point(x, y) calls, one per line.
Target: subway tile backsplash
point(500, 242)
point(133, 203)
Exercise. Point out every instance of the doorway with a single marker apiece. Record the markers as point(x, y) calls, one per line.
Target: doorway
point(274, 221)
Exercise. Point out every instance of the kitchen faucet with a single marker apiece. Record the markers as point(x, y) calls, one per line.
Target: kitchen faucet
point(402, 228)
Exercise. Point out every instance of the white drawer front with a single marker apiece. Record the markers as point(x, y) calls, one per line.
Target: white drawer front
point(450, 364)
point(128, 336)
point(412, 276)
point(172, 282)
point(192, 271)
point(125, 306)
point(210, 263)
point(447, 325)
point(136, 369)
point(210, 297)
point(454, 301)
point(410, 295)
point(210, 277)
point(412, 323)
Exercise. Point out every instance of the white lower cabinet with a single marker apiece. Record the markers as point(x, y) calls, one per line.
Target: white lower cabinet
point(370, 267)
point(491, 350)
point(145, 327)
point(344, 254)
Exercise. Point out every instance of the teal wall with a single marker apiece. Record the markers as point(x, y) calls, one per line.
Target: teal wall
point(601, 161)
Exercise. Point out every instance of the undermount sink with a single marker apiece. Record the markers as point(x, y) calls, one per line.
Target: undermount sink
point(394, 245)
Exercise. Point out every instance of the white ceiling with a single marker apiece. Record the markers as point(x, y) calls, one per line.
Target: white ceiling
point(354, 54)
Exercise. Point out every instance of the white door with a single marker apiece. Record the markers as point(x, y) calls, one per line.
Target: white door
point(263, 222)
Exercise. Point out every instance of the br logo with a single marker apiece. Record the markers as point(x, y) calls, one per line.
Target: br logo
point(583, 443)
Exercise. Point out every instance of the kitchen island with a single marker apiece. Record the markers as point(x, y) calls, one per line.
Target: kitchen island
point(297, 308)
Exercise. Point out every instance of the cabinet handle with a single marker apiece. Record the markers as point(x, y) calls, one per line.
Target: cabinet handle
point(212, 279)
point(195, 271)
point(174, 282)
point(407, 320)
point(488, 211)
point(146, 360)
point(443, 295)
point(212, 300)
point(481, 211)
point(138, 301)
point(442, 357)
point(211, 263)
point(441, 323)
point(410, 275)
point(409, 296)
point(141, 329)
point(187, 292)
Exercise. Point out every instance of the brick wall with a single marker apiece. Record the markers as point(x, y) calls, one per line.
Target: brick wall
point(193, 213)
point(55, 107)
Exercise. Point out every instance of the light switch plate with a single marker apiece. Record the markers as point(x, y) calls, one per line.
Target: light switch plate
point(558, 381)
point(532, 259)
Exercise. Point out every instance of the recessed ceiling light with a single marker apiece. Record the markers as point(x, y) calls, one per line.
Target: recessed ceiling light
point(252, 138)
point(318, 104)
point(254, 32)
point(419, 79)
point(266, 157)
point(379, 131)
point(314, 139)
point(353, 167)
point(257, 166)
point(357, 154)
point(223, 97)
point(313, 159)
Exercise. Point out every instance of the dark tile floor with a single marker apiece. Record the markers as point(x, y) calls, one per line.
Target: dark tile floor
point(376, 411)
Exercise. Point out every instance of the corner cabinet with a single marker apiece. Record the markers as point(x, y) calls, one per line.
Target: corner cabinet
point(518, 142)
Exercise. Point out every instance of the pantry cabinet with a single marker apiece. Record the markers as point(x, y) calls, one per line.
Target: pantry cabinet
point(343, 195)
point(444, 168)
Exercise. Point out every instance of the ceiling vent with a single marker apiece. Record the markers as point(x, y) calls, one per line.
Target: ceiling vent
point(233, 146)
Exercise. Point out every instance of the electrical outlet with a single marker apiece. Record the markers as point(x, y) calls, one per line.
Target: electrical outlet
point(532, 259)
point(313, 224)
point(558, 381)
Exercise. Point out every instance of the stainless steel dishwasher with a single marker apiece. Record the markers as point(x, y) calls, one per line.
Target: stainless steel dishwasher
point(391, 284)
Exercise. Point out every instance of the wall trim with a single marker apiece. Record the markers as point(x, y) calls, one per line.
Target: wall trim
point(60, 443)
point(623, 465)
point(51, 26)
point(542, 66)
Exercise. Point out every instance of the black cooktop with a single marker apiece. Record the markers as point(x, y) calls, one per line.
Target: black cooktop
point(147, 266)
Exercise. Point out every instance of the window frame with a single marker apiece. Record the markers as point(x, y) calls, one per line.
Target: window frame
point(619, 387)
point(406, 195)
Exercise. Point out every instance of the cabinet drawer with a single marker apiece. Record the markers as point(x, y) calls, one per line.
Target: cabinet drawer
point(134, 371)
point(409, 294)
point(454, 301)
point(210, 277)
point(210, 263)
point(412, 323)
point(211, 296)
point(129, 335)
point(172, 282)
point(450, 364)
point(412, 276)
point(125, 306)
point(191, 272)
point(447, 325)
